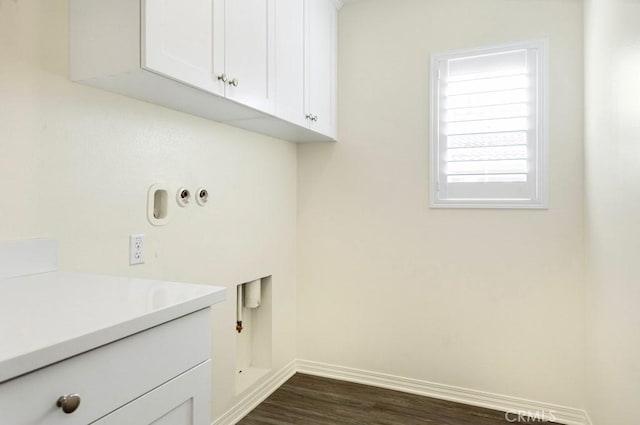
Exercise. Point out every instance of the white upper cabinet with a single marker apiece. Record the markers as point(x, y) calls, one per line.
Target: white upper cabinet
point(306, 63)
point(290, 63)
point(320, 69)
point(177, 41)
point(268, 66)
point(249, 29)
point(221, 46)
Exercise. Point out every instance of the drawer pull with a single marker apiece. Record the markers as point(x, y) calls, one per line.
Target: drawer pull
point(69, 403)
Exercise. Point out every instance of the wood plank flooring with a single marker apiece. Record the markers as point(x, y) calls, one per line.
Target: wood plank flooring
point(310, 400)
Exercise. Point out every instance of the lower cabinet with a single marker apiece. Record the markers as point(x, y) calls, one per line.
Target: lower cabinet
point(185, 400)
point(159, 376)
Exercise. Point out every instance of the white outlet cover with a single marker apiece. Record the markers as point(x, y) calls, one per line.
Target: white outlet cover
point(136, 249)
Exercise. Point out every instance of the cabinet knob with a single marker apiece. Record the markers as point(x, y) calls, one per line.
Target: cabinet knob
point(309, 117)
point(222, 77)
point(69, 403)
point(234, 82)
point(314, 118)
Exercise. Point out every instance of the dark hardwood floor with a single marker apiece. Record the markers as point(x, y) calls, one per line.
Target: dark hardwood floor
point(310, 400)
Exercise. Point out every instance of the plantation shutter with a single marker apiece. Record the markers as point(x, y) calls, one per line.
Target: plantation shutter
point(489, 123)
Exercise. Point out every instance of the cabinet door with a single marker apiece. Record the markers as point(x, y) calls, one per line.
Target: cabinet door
point(185, 400)
point(320, 58)
point(218, 30)
point(249, 52)
point(290, 69)
point(177, 41)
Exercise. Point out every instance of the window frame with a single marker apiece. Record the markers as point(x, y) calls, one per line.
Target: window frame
point(541, 158)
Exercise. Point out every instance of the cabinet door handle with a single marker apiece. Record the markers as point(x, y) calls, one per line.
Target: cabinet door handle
point(69, 403)
point(234, 82)
point(314, 118)
point(309, 117)
point(222, 77)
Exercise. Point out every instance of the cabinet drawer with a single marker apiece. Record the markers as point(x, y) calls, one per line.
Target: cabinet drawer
point(109, 376)
point(184, 400)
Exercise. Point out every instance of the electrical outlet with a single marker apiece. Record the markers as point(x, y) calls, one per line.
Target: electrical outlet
point(136, 249)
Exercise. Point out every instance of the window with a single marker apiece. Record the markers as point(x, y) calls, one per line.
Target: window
point(488, 124)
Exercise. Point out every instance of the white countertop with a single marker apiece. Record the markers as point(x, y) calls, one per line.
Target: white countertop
point(48, 317)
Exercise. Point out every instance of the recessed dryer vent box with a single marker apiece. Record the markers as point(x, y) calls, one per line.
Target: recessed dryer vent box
point(158, 205)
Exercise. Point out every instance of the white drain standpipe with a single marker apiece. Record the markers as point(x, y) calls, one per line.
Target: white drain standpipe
point(239, 290)
point(248, 295)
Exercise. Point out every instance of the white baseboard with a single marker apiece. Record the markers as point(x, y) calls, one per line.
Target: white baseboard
point(563, 415)
point(257, 396)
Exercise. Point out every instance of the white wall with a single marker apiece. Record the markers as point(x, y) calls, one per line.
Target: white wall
point(613, 208)
point(485, 299)
point(76, 163)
